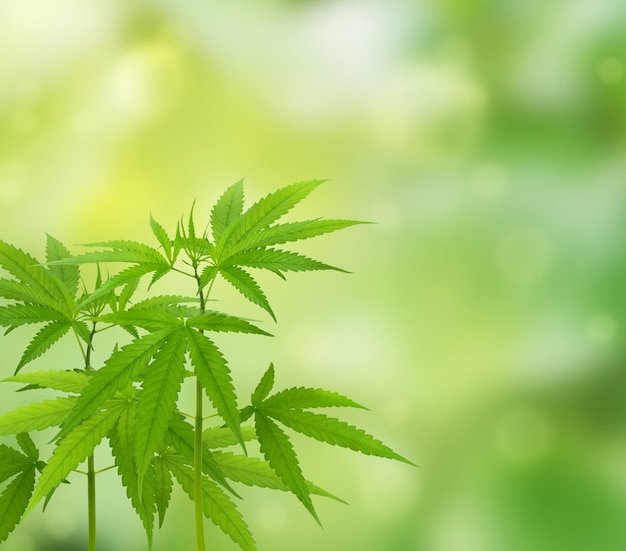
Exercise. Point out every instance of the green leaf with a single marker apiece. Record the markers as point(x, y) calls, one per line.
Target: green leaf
point(216, 505)
point(332, 431)
point(292, 231)
point(153, 319)
point(69, 275)
point(21, 314)
point(208, 274)
point(65, 381)
point(28, 270)
point(264, 387)
point(216, 321)
point(11, 462)
point(37, 416)
point(279, 453)
point(42, 341)
point(300, 397)
point(14, 500)
point(162, 486)
point(227, 209)
point(214, 376)
point(120, 251)
point(122, 440)
point(275, 259)
point(73, 450)
point(157, 399)
point(222, 437)
point(162, 237)
point(28, 446)
point(180, 436)
point(252, 471)
point(15, 290)
point(119, 370)
point(247, 286)
point(267, 210)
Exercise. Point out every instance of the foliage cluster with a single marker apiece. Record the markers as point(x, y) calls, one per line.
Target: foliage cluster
point(132, 400)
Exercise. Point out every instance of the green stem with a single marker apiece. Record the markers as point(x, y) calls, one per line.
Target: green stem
point(197, 453)
point(91, 498)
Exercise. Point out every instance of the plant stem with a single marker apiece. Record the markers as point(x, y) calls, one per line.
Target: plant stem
point(197, 450)
point(91, 499)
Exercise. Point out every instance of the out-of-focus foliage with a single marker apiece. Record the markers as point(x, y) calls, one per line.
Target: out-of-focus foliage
point(485, 138)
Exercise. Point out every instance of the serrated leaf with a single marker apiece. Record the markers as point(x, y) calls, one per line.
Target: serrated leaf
point(208, 274)
point(119, 370)
point(28, 270)
point(153, 319)
point(227, 209)
point(216, 321)
point(37, 416)
point(162, 487)
point(42, 341)
point(14, 500)
point(68, 275)
point(301, 397)
point(28, 446)
point(162, 237)
point(122, 440)
point(120, 251)
point(165, 302)
point(65, 381)
point(289, 232)
point(279, 453)
point(73, 450)
point(216, 505)
point(213, 374)
point(222, 437)
point(181, 437)
point(247, 286)
point(11, 462)
point(127, 292)
point(21, 314)
point(266, 211)
point(275, 259)
point(332, 431)
point(264, 387)
point(252, 471)
point(15, 290)
point(157, 399)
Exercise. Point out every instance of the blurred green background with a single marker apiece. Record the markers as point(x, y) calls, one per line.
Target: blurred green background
point(483, 323)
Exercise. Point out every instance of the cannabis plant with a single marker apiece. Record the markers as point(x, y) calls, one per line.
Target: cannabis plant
point(132, 399)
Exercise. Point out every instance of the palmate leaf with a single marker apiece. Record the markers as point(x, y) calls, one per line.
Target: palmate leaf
point(222, 437)
point(42, 341)
point(252, 471)
point(65, 381)
point(15, 290)
point(14, 500)
point(275, 259)
point(122, 440)
point(11, 462)
point(247, 286)
point(265, 212)
point(279, 453)
point(157, 399)
point(216, 321)
point(74, 449)
point(216, 505)
point(180, 436)
point(28, 270)
point(291, 231)
point(119, 370)
point(302, 398)
point(37, 416)
point(15, 315)
point(213, 374)
point(332, 431)
point(68, 275)
point(227, 209)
